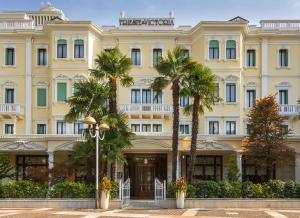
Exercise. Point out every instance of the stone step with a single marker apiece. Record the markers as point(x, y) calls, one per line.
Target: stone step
point(142, 205)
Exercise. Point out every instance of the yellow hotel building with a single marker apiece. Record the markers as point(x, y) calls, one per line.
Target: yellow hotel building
point(42, 54)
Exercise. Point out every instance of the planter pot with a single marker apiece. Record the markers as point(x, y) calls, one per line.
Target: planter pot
point(180, 200)
point(104, 203)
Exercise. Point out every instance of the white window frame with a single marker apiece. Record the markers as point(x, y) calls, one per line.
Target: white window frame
point(136, 47)
point(210, 119)
point(55, 55)
point(76, 121)
point(250, 86)
point(141, 95)
point(236, 50)
point(67, 91)
point(41, 46)
point(4, 56)
point(10, 85)
point(284, 86)
point(84, 48)
point(156, 47)
point(189, 123)
point(55, 126)
point(246, 58)
point(231, 79)
point(289, 57)
point(236, 125)
point(40, 86)
point(208, 58)
point(41, 122)
point(9, 122)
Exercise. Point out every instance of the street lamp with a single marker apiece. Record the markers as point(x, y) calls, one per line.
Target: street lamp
point(98, 133)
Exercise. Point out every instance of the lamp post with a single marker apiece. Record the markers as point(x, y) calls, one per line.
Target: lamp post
point(98, 134)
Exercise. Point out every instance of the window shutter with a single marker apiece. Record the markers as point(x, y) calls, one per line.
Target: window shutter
point(230, 44)
point(61, 91)
point(79, 42)
point(61, 42)
point(213, 44)
point(41, 97)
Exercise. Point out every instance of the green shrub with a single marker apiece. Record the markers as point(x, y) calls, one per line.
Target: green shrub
point(277, 188)
point(230, 190)
point(191, 191)
point(72, 190)
point(114, 192)
point(290, 189)
point(171, 190)
point(208, 189)
point(260, 191)
point(23, 189)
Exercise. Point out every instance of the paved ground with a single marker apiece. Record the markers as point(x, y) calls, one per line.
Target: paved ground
point(163, 213)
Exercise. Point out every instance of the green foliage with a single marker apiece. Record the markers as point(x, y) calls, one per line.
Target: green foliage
point(230, 190)
point(208, 189)
point(233, 171)
point(23, 189)
point(171, 190)
point(72, 190)
point(7, 170)
point(114, 192)
point(290, 189)
point(277, 187)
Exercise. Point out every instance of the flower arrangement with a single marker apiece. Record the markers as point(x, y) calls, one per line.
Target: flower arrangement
point(181, 185)
point(106, 184)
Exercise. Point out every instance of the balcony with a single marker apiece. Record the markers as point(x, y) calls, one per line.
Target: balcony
point(16, 24)
point(289, 110)
point(280, 24)
point(9, 110)
point(147, 109)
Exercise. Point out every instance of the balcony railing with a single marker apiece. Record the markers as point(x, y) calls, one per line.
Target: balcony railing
point(146, 108)
point(10, 109)
point(20, 24)
point(289, 109)
point(280, 24)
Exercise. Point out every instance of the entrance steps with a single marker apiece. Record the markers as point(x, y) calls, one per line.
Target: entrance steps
point(142, 205)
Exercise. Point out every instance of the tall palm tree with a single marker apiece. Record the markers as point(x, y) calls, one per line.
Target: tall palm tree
point(113, 66)
point(171, 69)
point(199, 84)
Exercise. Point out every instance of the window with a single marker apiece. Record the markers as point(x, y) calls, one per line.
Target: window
point(146, 96)
point(231, 49)
point(61, 91)
point(135, 127)
point(157, 128)
point(248, 129)
point(251, 96)
point(41, 97)
point(42, 57)
point(256, 173)
point(213, 127)
point(186, 52)
point(146, 127)
point(251, 58)
point(285, 129)
point(135, 96)
point(157, 98)
point(28, 166)
point(283, 97)
point(77, 127)
point(183, 101)
point(10, 56)
point(184, 129)
point(213, 49)
point(41, 128)
point(230, 127)
point(136, 57)
point(217, 91)
point(9, 96)
point(283, 58)
point(157, 53)
point(78, 48)
point(230, 92)
point(61, 127)
point(9, 129)
point(61, 48)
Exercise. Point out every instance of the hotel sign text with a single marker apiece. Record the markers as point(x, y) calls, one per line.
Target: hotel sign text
point(146, 21)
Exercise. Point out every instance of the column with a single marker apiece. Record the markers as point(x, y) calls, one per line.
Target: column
point(178, 173)
point(264, 68)
point(28, 86)
point(50, 165)
point(239, 163)
point(297, 167)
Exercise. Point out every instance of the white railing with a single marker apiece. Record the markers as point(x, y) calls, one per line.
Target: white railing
point(159, 190)
point(125, 192)
point(289, 109)
point(20, 24)
point(280, 24)
point(10, 108)
point(147, 108)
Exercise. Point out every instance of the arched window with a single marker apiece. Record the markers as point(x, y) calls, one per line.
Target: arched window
point(78, 48)
point(213, 49)
point(231, 49)
point(61, 48)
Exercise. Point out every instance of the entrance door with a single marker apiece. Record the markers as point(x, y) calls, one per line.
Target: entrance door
point(145, 181)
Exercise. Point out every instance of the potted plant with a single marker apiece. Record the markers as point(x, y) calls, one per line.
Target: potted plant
point(181, 187)
point(105, 192)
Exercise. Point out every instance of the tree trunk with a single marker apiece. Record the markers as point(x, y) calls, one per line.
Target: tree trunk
point(175, 95)
point(195, 123)
point(113, 96)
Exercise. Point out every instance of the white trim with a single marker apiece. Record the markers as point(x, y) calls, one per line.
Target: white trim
point(141, 56)
point(208, 58)
point(236, 50)
point(36, 99)
point(55, 125)
point(41, 46)
point(84, 48)
point(162, 53)
point(41, 122)
point(227, 119)
point(4, 56)
point(231, 79)
point(246, 57)
point(264, 68)
point(9, 122)
point(213, 120)
point(10, 86)
point(55, 49)
point(55, 90)
point(289, 65)
point(28, 87)
point(250, 86)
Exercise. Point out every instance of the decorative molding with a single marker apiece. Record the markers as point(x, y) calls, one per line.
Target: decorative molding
point(79, 77)
point(144, 82)
point(22, 145)
point(68, 146)
point(231, 78)
point(9, 83)
point(212, 145)
point(284, 84)
point(61, 77)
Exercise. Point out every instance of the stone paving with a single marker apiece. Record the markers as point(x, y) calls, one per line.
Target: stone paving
point(155, 213)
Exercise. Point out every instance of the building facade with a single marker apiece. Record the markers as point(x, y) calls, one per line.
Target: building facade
point(42, 54)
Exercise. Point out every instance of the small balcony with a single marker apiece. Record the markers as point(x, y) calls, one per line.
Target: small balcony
point(10, 110)
point(146, 110)
point(289, 110)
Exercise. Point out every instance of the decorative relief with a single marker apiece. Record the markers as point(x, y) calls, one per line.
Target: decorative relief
point(9, 83)
point(68, 146)
point(212, 145)
point(231, 78)
point(144, 82)
point(22, 145)
point(284, 84)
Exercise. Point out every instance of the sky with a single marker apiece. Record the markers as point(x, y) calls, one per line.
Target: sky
point(187, 12)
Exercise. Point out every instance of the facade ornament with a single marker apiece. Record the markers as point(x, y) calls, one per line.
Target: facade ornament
point(22, 145)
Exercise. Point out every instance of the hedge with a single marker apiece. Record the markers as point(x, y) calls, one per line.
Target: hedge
point(223, 189)
point(28, 189)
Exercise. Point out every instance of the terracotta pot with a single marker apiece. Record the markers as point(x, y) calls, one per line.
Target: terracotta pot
point(180, 199)
point(104, 203)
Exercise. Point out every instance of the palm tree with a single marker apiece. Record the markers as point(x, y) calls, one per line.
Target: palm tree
point(113, 66)
point(199, 84)
point(171, 69)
